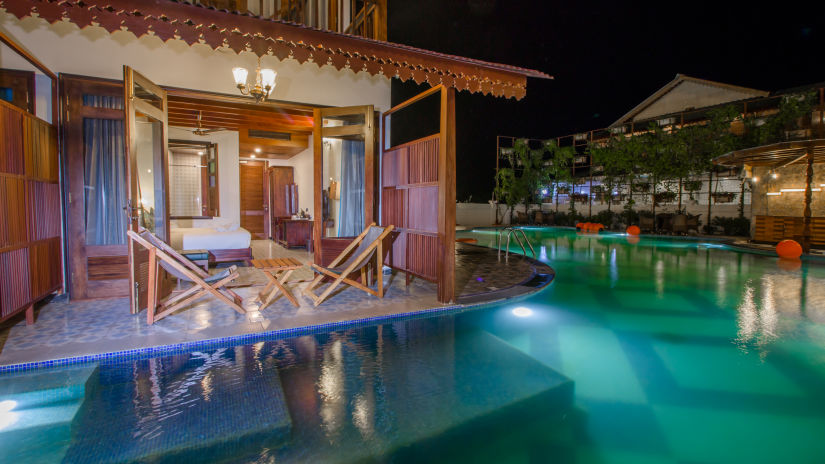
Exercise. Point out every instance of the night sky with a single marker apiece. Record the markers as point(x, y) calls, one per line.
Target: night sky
point(606, 58)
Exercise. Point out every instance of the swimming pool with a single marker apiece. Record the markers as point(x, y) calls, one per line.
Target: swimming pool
point(661, 350)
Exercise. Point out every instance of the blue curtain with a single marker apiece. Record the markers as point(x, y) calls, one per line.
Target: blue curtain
point(105, 169)
point(351, 216)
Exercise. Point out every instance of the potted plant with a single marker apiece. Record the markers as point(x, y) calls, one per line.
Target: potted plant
point(579, 197)
point(641, 187)
point(723, 197)
point(664, 197)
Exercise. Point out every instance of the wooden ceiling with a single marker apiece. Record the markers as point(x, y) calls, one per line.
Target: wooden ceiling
point(242, 114)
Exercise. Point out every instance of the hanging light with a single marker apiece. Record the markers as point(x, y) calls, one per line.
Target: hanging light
point(264, 82)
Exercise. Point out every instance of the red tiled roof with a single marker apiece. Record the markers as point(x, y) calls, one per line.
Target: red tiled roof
point(168, 19)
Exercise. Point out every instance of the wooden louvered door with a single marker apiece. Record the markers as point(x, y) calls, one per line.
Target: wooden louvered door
point(418, 190)
point(30, 257)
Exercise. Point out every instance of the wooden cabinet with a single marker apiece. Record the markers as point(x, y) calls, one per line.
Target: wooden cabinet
point(295, 233)
point(283, 197)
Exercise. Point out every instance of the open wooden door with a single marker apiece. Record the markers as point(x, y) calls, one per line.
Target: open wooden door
point(344, 177)
point(146, 153)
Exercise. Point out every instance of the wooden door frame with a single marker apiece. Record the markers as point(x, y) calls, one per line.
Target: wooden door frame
point(367, 132)
point(264, 189)
point(73, 112)
point(131, 105)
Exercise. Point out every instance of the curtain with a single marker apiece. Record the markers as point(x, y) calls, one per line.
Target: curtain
point(351, 216)
point(105, 170)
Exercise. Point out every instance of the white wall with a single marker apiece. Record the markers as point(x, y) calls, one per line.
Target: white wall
point(93, 51)
point(229, 188)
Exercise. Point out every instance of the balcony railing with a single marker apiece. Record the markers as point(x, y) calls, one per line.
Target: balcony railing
point(365, 18)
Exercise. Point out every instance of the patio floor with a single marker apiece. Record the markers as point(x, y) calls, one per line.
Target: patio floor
point(65, 329)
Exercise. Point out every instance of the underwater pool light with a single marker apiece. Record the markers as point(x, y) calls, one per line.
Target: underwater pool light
point(7, 417)
point(522, 311)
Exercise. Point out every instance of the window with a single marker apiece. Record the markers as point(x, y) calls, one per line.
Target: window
point(17, 88)
point(193, 179)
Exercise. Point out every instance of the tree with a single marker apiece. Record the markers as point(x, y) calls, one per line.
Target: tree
point(559, 164)
point(521, 182)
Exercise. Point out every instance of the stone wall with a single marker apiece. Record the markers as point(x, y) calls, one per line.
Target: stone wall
point(788, 203)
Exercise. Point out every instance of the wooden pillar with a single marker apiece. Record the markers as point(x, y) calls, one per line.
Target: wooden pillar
point(809, 177)
point(446, 198)
point(318, 183)
point(30, 314)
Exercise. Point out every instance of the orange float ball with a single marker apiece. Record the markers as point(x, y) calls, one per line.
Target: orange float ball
point(634, 230)
point(579, 225)
point(789, 249)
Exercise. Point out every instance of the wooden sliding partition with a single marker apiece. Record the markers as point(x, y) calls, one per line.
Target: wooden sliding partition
point(773, 229)
point(30, 257)
point(418, 198)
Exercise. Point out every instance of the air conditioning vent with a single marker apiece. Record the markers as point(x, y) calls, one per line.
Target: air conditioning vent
point(271, 135)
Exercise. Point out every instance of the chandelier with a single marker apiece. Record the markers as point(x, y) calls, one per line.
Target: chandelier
point(264, 82)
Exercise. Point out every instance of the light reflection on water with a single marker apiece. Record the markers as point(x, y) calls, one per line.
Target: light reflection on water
point(680, 351)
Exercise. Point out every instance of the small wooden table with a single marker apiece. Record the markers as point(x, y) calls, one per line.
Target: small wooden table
point(277, 270)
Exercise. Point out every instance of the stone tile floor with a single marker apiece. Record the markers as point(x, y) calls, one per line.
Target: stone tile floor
point(76, 328)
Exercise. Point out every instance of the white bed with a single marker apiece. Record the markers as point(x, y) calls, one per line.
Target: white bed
point(225, 245)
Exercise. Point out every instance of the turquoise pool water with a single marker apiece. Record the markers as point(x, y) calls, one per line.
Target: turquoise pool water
point(660, 351)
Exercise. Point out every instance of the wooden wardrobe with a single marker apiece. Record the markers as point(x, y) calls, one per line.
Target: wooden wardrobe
point(283, 196)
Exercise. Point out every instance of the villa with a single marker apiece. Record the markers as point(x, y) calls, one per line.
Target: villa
point(224, 239)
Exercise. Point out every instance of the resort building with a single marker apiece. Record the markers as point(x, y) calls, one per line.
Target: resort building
point(731, 190)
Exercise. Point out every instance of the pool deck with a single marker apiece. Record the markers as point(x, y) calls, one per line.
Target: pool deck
point(68, 332)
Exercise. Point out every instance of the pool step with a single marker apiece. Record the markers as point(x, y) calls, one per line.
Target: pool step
point(459, 384)
point(37, 410)
point(180, 408)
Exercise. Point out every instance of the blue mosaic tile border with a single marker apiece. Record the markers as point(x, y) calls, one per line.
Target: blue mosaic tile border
point(177, 348)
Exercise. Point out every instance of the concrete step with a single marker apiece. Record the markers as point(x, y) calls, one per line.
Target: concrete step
point(37, 410)
point(181, 408)
point(458, 384)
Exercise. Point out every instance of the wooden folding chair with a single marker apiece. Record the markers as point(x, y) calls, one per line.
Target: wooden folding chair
point(163, 255)
point(355, 257)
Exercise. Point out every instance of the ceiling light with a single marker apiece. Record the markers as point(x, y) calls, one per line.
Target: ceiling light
point(200, 152)
point(773, 194)
point(755, 179)
point(774, 175)
point(257, 150)
point(264, 82)
point(252, 155)
point(799, 190)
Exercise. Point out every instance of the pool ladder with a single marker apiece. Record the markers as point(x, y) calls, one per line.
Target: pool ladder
point(520, 237)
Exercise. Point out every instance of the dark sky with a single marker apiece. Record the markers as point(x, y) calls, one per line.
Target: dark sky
point(605, 58)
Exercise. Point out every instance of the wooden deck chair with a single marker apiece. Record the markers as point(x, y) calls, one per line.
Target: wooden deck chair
point(203, 283)
point(355, 257)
